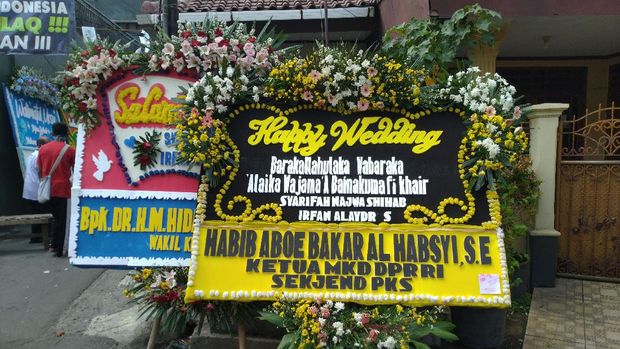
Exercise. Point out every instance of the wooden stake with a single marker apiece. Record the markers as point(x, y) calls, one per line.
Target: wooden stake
point(242, 336)
point(154, 332)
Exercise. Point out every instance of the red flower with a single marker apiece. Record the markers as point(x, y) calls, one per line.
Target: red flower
point(195, 43)
point(85, 54)
point(76, 82)
point(210, 307)
point(179, 54)
point(224, 43)
point(82, 106)
point(146, 146)
point(112, 53)
point(252, 39)
point(270, 49)
point(218, 32)
point(97, 48)
point(372, 336)
point(201, 34)
point(186, 34)
point(144, 160)
point(365, 318)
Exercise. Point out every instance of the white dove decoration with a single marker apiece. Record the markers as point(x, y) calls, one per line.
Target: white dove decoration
point(103, 165)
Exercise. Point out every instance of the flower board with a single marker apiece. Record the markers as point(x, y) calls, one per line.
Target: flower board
point(366, 207)
point(135, 203)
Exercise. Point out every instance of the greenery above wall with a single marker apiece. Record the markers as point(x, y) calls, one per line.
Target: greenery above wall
point(434, 44)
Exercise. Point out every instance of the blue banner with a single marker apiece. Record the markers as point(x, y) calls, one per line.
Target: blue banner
point(30, 120)
point(132, 229)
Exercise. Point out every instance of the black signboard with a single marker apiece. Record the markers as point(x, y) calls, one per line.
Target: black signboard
point(323, 166)
point(36, 27)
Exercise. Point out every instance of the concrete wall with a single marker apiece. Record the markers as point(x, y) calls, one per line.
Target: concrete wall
point(395, 12)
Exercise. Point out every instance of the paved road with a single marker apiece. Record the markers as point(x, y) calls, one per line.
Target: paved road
point(35, 289)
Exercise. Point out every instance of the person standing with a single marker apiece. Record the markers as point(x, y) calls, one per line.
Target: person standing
point(31, 186)
point(60, 182)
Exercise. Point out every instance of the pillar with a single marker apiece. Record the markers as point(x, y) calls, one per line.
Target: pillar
point(544, 119)
point(485, 57)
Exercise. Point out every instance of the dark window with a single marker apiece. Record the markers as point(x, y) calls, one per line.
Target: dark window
point(550, 85)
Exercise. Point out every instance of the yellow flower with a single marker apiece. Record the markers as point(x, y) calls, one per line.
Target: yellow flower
point(146, 272)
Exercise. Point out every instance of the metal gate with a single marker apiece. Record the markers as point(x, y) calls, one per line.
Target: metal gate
point(588, 194)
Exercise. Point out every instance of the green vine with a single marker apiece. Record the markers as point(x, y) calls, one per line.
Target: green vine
point(519, 192)
point(433, 44)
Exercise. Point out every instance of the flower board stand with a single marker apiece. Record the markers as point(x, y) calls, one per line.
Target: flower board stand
point(479, 328)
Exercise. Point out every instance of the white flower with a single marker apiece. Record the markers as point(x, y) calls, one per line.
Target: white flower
point(339, 306)
point(230, 71)
point(388, 343)
point(339, 327)
point(157, 282)
point(168, 49)
point(186, 47)
point(178, 64)
point(491, 128)
point(91, 103)
point(190, 95)
point(169, 277)
point(358, 318)
point(490, 147)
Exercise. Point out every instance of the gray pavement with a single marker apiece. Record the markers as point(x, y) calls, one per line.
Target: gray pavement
point(47, 303)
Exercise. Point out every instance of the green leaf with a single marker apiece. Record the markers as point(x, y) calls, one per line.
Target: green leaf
point(443, 334)
point(419, 331)
point(479, 183)
point(444, 325)
point(420, 345)
point(289, 340)
point(271, 318)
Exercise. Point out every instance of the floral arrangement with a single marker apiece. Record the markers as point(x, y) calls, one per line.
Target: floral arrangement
point(346, 80)
point(85, 69)
point(30, 82)
point(146, 149)
point(212, 47)
point(477, 92)
point(235, 64)
point(325, 324)
point(160, 292)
